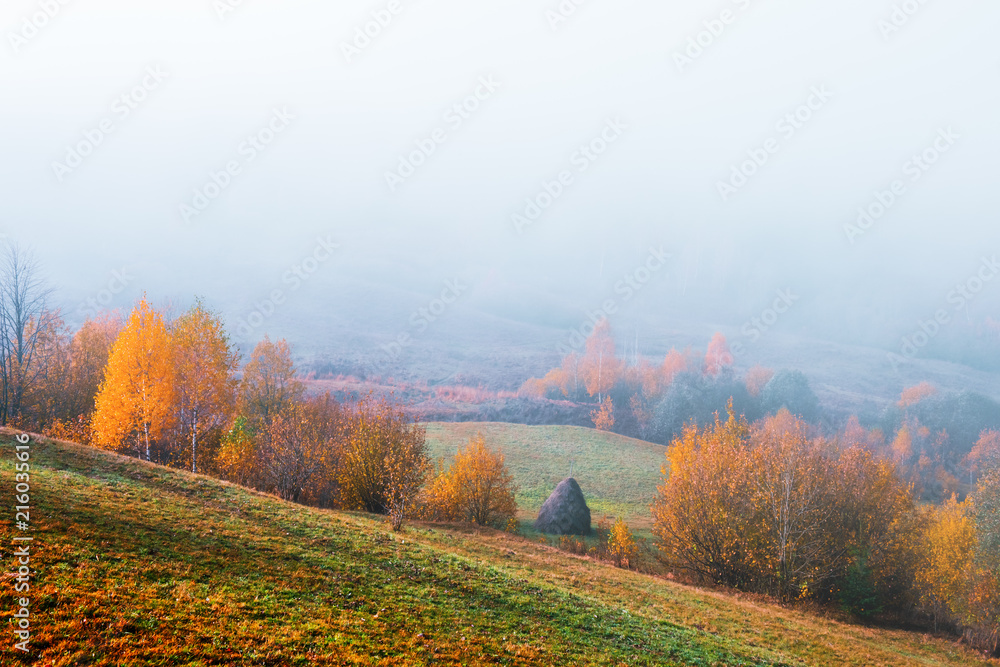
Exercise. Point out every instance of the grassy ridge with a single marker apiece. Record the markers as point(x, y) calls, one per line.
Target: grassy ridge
point(141, 565)
point(618, 475)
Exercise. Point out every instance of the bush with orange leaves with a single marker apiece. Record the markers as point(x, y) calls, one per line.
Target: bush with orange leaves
point(771, 508)
point(621, 544)
point(384, 460)
point(604, 416)
point(477, 488)
point(958, 577)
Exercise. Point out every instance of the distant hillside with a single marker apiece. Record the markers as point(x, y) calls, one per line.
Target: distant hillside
point(474, 348)
point(136, 564)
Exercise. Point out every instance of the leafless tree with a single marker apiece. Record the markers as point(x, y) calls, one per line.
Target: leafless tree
point(24, 316)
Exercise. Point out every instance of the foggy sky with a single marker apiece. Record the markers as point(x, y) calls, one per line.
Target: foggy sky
point(221, 76)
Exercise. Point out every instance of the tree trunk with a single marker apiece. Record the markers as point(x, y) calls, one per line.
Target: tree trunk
point(194, 441)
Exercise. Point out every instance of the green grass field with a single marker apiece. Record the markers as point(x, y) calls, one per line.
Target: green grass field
point(135, 564)
point(618, 475)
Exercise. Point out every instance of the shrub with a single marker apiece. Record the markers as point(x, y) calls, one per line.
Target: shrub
point(477, 488)
point(621, 544)
point(770, 509)
point(384, 458)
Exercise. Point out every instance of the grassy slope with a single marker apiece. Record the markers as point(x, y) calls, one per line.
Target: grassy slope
point(618, 475)
point(141, 565)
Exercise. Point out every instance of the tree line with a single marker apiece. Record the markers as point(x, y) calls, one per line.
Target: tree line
point(171, 390)
point(777, 508)
point(929, 434)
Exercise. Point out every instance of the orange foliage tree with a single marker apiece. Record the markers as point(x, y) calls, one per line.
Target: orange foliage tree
point(44, 390)
point(599, 367)
point(135, 398)
point(89, 354)
point(269, 385)
point(204, 368)
point(756, 379)
point(985, 454)
point(477, 488)
point(299, 451)
point(771, 508)
point(673, 363)
point(913, 395)
point(621, 544)
point(604, 415)
point(718, 355)
point(384, 459)
point(698, 507)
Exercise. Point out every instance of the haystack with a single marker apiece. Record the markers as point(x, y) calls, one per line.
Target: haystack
point(565, 512)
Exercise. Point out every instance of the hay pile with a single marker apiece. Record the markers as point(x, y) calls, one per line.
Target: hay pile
point(565, 512)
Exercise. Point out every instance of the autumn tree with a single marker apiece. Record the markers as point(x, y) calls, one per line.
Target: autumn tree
point(204, 365)
point(135, 398)
point(948, 550)
point(25, 320)
point(269, 385)
point(985, 454)
point(296, 455)
point(60, 403)
point(700, 504)
point(913, 395)
point(599, 367)
point(477, 488)
point(902, 445)
point(301, 451)
point(239, 453)
point(756, 379)
point(90, 350)
point(604, 415)
point(857, 436)
point(792, 482)
point(45, 389)
point(958, 578)
point(718, 356)
point(772, 508)
point(384, 455)
point(673, 364)
point(621, 544)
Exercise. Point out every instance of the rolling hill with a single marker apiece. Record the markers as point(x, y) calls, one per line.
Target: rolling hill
point(136, 564)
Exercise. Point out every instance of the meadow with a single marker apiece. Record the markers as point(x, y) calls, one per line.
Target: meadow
point(618, 475)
